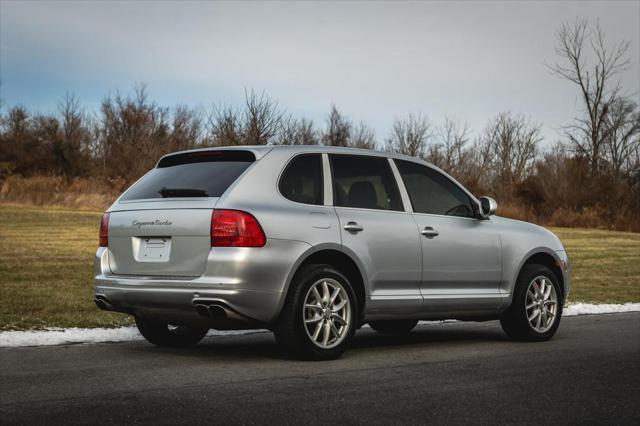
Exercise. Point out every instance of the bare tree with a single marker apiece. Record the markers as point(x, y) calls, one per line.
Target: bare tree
point(338, 132)
point(410, 135)
point(621, 134)
point(449, 149)
point(512, 143)
point(297, 132)
point(26, 142)
point(225, 126)
point(258, 123)
point(597, 82)
point(73, 148)
point(363, 137)
point(186, 129)
point(307, 134)
point(134, 132)
point(262, 119)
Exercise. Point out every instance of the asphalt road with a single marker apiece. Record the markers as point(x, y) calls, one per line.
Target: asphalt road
point(451, 373)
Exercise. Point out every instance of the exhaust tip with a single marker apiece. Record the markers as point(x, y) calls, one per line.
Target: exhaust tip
point(202, 309)
point(101, 304)
point(213, 311)
point(217, 312)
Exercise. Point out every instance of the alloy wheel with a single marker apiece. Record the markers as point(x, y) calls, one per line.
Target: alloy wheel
point(326, 313)
point(541, 304)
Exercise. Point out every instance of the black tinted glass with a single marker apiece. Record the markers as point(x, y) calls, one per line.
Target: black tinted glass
point(432, 192)
point(302, 179)
point(196, 174)
point(364, 182)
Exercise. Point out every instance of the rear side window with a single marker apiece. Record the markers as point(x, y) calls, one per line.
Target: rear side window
point(302, 179)
point(364, 182)
point(192, 174)
point(432, 192)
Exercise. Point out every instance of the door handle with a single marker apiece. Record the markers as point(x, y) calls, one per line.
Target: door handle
point(429, 232)
point(353, 227)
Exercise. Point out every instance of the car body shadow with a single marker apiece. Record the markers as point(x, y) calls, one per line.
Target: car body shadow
point(261, 344)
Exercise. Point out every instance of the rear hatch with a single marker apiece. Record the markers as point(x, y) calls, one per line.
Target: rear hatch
point(161, 225)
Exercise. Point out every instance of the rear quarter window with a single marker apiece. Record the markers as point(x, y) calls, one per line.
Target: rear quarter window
point(302, 180)
point(192, 174)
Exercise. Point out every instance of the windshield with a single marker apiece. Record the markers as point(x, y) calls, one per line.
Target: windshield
point(195, 174)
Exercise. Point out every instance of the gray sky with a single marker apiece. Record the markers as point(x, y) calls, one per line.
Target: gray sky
point(375, 61)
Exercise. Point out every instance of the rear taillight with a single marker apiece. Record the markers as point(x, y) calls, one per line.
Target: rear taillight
point(235, 228)
point(104, 230)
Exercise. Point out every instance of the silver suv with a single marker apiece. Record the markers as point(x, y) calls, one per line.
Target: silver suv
point(312, 243)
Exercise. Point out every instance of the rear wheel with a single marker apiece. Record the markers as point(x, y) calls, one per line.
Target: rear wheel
point(393, 326)
point(162, 334)
point(318, 319)
point(536, 309)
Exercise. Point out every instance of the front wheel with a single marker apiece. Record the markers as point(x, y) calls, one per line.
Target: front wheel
point(162, 334)
point(319, 316)
point(536, 309)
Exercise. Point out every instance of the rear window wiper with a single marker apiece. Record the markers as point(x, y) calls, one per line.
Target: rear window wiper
point(182, 192)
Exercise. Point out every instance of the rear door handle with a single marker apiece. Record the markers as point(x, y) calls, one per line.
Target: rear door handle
point(353, 227)
point(429, 232)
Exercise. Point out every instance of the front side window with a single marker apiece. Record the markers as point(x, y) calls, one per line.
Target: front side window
point(364, 182)
point(302, 180)
point(432, 192)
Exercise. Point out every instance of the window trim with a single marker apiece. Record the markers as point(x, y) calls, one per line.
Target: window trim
point(327, 180)
point(404, 194)
point(474, 201)
point(393, 178)
point(323, 180)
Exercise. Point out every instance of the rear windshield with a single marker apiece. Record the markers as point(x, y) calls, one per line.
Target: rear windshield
point(193, 174)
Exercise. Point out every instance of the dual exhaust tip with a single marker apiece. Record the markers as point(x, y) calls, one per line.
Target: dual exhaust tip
point(219, 311)
point(213, 311)
point(209, 309)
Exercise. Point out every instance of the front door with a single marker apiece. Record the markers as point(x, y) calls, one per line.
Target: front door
point(375, 228)
point(461, 261)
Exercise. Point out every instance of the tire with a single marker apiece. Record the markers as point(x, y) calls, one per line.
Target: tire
point(162, 334)
point(393, 326)
point(515, 320)
point(296, 335)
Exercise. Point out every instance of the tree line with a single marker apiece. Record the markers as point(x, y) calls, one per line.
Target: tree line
point(590, 175)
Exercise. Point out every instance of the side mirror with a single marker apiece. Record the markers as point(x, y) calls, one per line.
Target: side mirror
point(488, 207)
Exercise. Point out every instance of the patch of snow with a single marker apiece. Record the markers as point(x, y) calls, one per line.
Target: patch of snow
point(591, 309)
point(64, 336)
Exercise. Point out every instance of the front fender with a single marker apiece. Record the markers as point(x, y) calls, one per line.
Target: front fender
point(512, 270)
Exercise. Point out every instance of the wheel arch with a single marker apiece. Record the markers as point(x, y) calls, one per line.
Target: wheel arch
point(540, 256)
point(331, 254)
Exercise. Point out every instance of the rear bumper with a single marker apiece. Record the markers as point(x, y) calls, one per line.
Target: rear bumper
point(250, 283)
point(176, 300)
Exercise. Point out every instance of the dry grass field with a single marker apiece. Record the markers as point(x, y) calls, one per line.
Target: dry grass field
point(46, 263)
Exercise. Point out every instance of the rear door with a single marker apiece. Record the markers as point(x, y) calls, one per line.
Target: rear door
point(161, 225)
point(462, 262)
point(375, 227)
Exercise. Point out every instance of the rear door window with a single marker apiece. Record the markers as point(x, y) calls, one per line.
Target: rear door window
point(192, 174)
point(364, 182)
point(302, 180)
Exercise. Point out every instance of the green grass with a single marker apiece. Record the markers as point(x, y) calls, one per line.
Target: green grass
point(605, 265)
point(46, 267)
